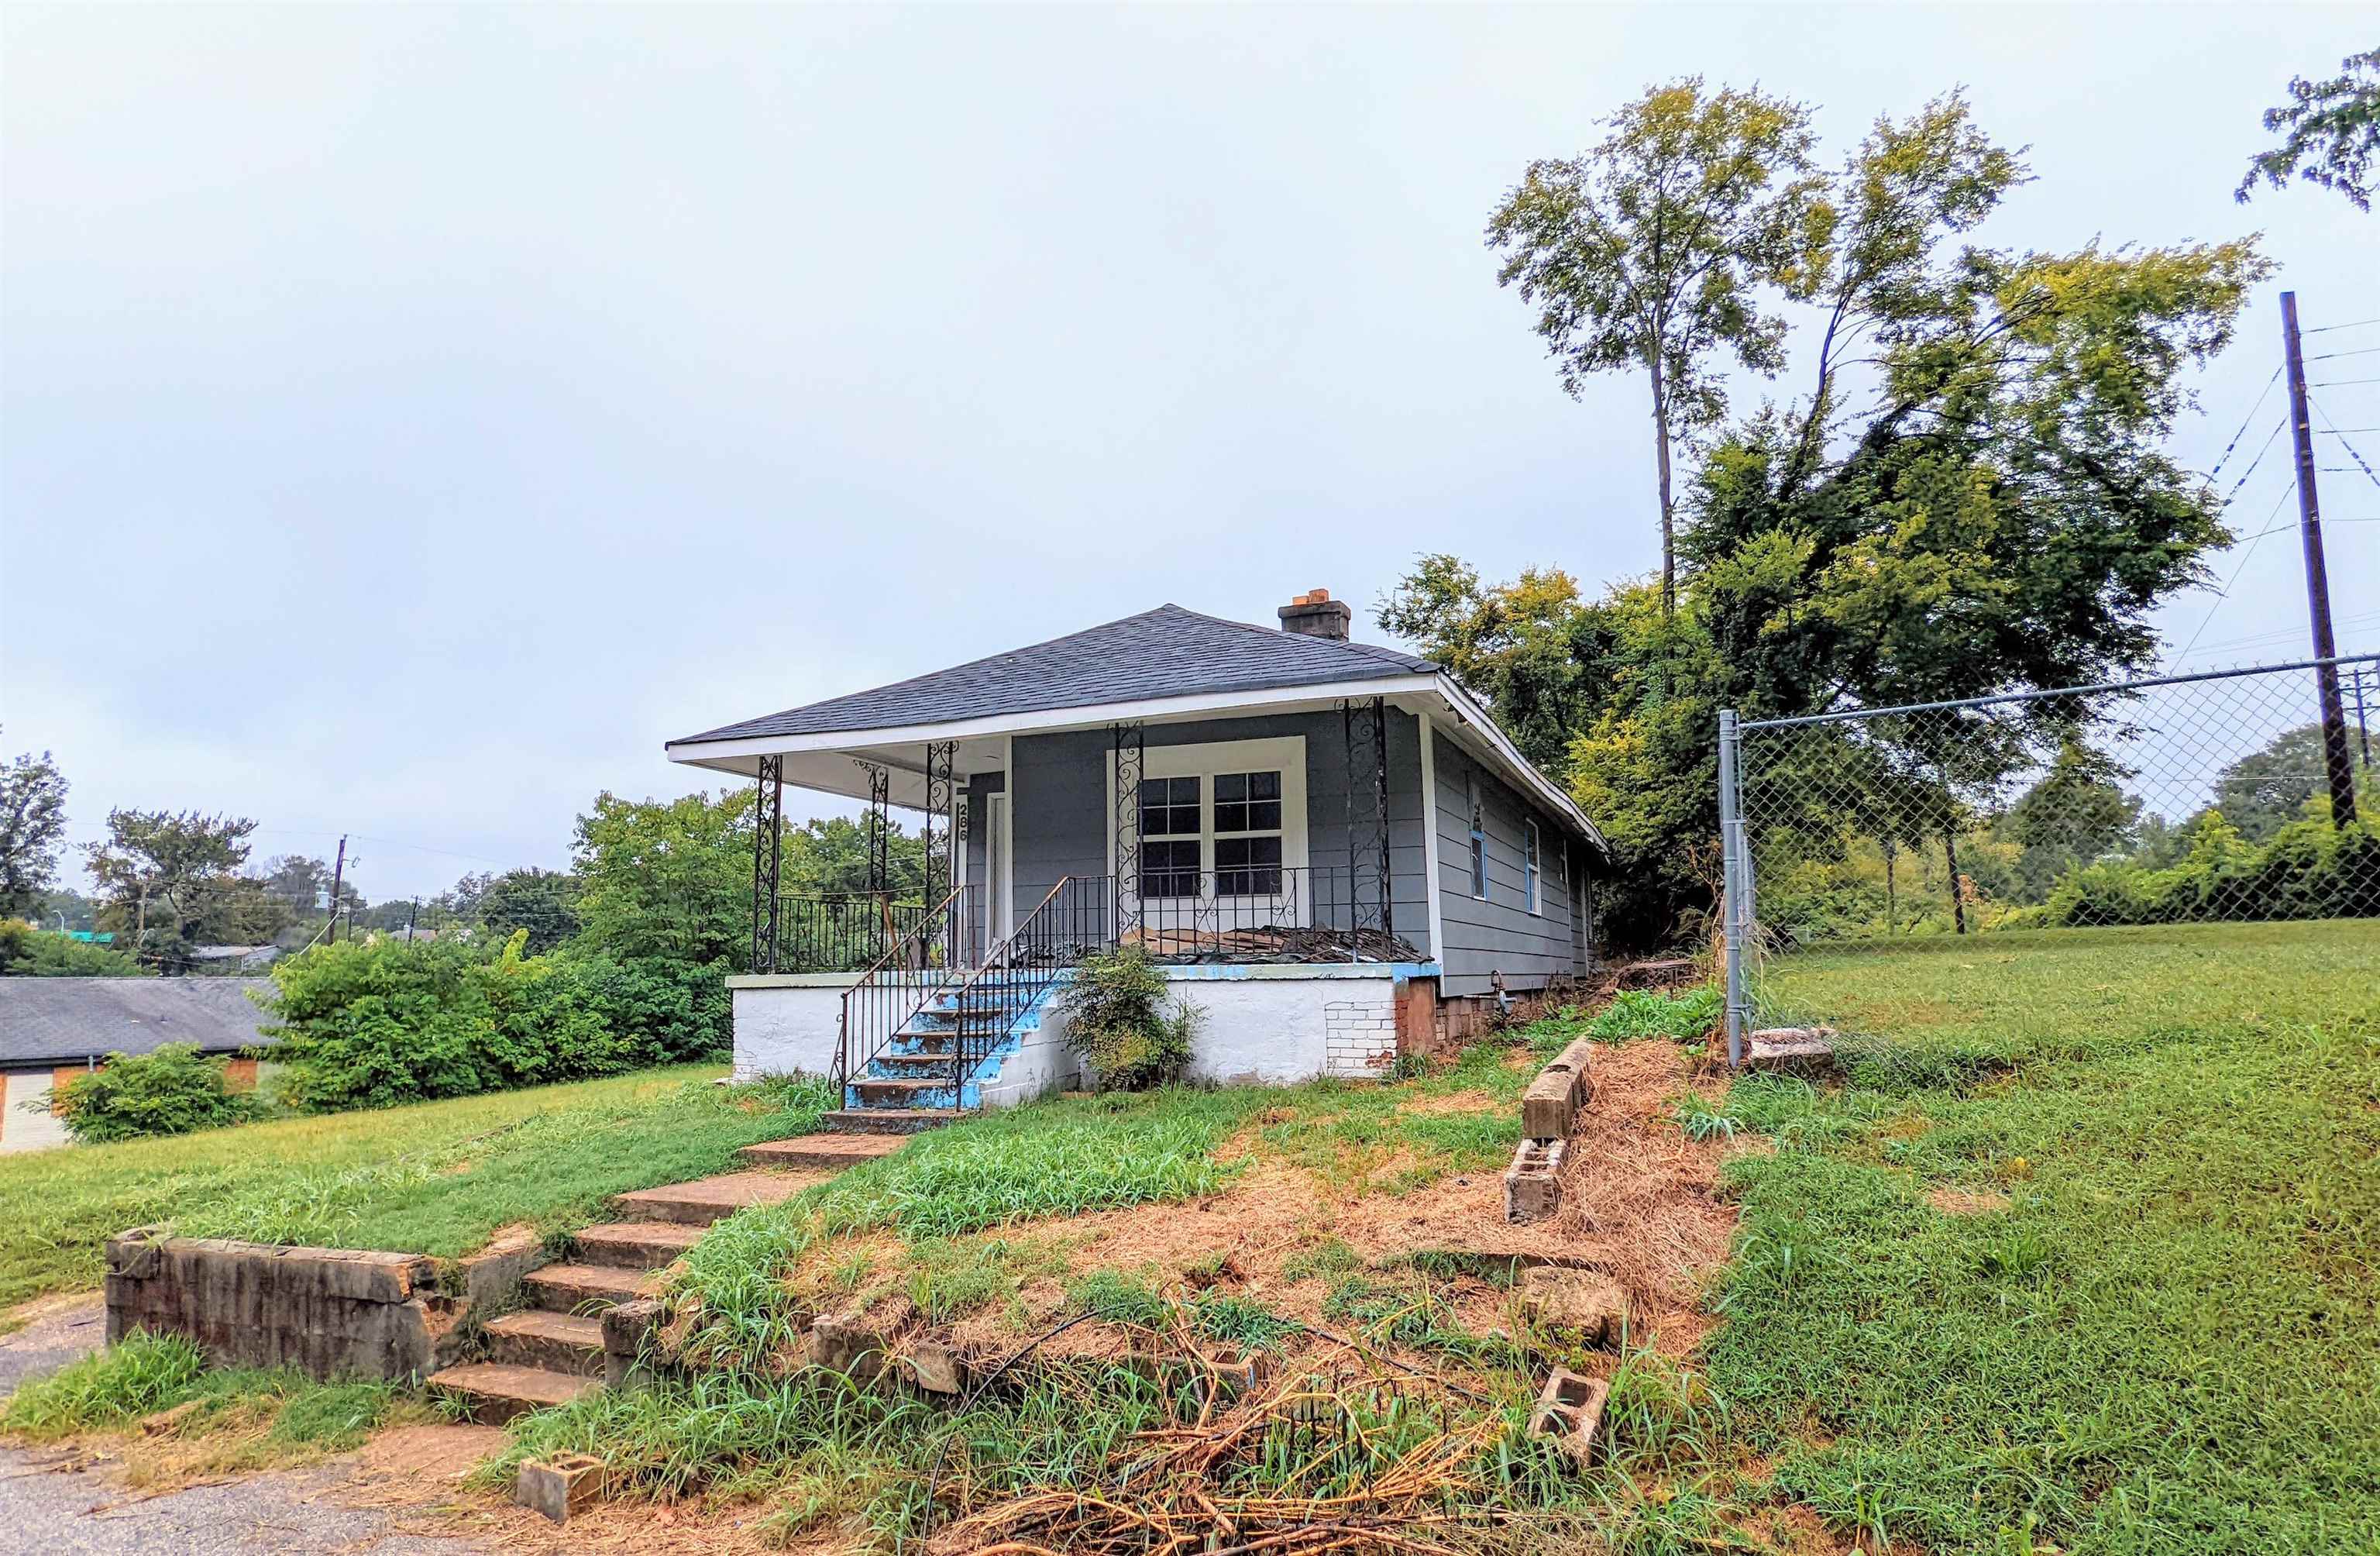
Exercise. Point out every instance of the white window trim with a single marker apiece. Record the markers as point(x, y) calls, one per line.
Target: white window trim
point(1283, 754)
point(1474, 821)
point(1533, 865)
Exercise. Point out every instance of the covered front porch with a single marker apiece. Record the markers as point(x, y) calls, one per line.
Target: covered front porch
point(1269, 848)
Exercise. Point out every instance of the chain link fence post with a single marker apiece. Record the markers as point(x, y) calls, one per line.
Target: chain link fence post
point(1733, 881)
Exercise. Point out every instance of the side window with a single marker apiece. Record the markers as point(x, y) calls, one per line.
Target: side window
point(1531, 873)
point(1478, 842)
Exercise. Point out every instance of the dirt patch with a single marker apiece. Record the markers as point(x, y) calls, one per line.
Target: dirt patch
point(1454, 1102)
point(1960, 1202)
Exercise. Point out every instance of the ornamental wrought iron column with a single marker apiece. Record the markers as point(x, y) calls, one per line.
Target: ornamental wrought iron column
point(1363, 725)
point(768, 848)
point(940, 867)
point(1129, 746)
point(876, 827)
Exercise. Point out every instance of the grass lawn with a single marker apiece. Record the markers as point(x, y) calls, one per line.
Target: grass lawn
point(433, 1177)
point(2087, 1253)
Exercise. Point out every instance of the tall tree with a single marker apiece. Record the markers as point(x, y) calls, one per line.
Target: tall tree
point(542, 902)
point(172, 879)
point(33, 825)
point(1652, 252)
point(2331, 130)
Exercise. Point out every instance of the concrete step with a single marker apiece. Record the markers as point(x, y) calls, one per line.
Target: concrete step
point(705, 1201)
point(889, 1121)
point(830, 1153)
point(548, 1343)
point(876, 1093)
point(636, 1244)
point(580, 1288)
point(492, 1393)
point(918, 1061)
point(929, 1042)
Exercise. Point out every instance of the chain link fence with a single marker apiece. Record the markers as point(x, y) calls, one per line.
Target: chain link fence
point(2231, 797)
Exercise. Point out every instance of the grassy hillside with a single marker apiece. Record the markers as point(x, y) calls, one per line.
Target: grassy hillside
point(436, 1177)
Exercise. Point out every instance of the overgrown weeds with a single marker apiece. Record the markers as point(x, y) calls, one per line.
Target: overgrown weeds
point(231, 1419)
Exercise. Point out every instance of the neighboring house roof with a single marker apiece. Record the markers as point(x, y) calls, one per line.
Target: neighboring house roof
point(67, 1020)
point(1165, 652)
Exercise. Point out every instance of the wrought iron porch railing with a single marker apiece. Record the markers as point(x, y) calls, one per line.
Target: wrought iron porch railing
point(909, 971)
point(1262, 913)
point(1069, 924)
point(853, 932)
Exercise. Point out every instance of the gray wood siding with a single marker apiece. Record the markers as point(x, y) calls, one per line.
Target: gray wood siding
point(1061, 819)
point(1498, 934)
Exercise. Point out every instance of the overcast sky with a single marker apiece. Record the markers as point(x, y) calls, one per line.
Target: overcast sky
point(410, 419)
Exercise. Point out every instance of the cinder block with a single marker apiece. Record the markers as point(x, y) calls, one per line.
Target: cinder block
point(1570, 1410)
point(841, 1342)
point(1531, 1184)
point(1573, 1306)
point(934, 1367)
point(558, 1487)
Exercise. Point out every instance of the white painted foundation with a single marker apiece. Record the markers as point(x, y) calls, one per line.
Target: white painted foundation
point(1265, 1025)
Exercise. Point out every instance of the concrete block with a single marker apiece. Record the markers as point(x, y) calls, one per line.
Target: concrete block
point(1531, 1184)
point(492, 1276)
point(1572, 1307)
point(1792, 1047)
point(934, 1367)
point(558, 1487)
point(843, 1343)
point(1570, 1410)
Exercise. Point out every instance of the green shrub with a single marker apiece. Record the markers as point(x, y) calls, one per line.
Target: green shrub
point(171, 1091)
point(388, 1022)
point(1119, 1018)
point(2307, 870)
point(26, 952)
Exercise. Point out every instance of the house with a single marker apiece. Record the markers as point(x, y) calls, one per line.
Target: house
point(1328, 846)
point(52, 1030)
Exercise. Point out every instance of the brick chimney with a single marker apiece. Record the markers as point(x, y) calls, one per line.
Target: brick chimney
point(1315, 615)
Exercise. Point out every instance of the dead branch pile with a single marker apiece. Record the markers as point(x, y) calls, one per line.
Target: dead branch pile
point(1294, 1469)
point(1271, 943)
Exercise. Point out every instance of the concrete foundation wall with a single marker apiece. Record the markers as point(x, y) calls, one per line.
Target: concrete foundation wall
point(786, 1022)
point(1266, 1025)
point(1275, 1026)
point(330, 1312)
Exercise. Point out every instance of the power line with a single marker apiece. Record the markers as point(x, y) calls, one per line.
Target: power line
point(2225, 592)
point(2343, 382)
point(2359, 351)
point(2264, 449)
point(2351, 448)
point(2225, 458)
point(2325, 329)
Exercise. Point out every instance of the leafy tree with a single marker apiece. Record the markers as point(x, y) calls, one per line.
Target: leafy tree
point(2267, 789)
point(1996, 513)
point(1651, 251)
point(539, 902)
point(672, 879)
point(1536, 650)
point(28, 951)
point(668, 878)
point(2331, 128)
point(171, 879)
point(33, 825)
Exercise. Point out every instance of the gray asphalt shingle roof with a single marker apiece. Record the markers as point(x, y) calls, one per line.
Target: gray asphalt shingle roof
point(1165, 652)
point(67, 1020)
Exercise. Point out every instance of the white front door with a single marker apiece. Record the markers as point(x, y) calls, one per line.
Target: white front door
point(997, 893)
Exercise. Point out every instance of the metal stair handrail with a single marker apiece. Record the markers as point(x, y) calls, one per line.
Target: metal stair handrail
point(1069, 922)
point(878, 998)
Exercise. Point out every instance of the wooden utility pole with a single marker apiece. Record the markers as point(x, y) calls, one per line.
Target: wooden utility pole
point(338, 876)
point(2326, 647)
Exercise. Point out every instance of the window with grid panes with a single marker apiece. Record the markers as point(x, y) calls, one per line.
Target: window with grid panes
point(1248, 834)
point(1170, 832)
